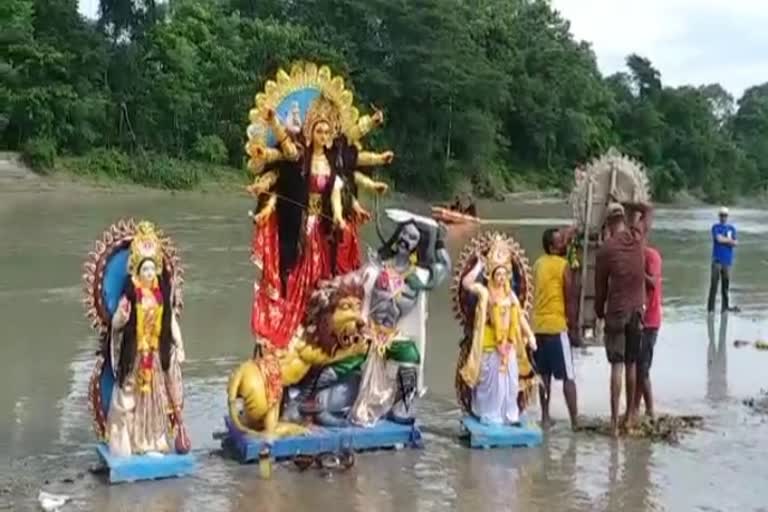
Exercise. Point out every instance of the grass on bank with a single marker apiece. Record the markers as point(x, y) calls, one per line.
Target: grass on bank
point(149, 169)
point(109, 166)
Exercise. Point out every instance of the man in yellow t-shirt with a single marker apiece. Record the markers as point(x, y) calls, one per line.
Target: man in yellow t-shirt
point(551, 280)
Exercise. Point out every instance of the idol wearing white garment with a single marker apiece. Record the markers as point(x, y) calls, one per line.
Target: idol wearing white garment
point(498, 347)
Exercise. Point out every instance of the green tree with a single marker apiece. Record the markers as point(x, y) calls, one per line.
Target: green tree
point(750, 130)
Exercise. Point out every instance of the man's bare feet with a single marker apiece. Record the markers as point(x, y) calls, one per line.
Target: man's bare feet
point(614, 429)
point(546, 422)
point(628, 421)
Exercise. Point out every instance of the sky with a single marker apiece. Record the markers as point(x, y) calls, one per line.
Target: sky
point(689, 41)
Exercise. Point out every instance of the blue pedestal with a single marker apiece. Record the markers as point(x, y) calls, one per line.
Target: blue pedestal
point(145, 467)
point(498, 436)
point(385, 434)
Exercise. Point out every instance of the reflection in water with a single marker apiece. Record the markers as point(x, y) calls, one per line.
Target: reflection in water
point(717, 360)
point(630, 487)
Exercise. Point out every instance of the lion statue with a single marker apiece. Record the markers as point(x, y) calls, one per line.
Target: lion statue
point(334, 332)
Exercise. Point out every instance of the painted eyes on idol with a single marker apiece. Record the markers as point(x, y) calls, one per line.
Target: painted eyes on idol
point(322, 131)
point(148, 270)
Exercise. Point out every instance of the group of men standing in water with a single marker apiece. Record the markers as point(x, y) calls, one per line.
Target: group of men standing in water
point(628, 300)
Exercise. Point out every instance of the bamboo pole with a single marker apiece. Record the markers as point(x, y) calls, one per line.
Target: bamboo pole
point(585, 252)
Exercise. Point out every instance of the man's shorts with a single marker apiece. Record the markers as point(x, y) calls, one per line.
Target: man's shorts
point(623, 334)
point(553, 356)
point(647, 343)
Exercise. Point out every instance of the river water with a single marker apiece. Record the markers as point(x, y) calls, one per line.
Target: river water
point(47, 355)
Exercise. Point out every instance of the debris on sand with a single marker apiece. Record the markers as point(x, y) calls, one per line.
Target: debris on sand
point(52, 502)
point(666, 428)
point(759, 344)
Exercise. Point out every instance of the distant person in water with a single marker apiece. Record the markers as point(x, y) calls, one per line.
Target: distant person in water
point(723, 242)
point(651, 324)
point(553, 357)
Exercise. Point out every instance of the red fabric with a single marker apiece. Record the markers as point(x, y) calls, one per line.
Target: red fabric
point(348, 250)
point(275, 317)
point(653, 294)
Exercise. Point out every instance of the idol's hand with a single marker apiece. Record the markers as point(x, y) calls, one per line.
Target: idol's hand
point(380, 187)
point(264, 214)
point(258, 151)
point(532, 343)
point(340, 223)
point(363, 215)
point(378, 117)
point(256, 189)
point(125, 306)
point(387, 157)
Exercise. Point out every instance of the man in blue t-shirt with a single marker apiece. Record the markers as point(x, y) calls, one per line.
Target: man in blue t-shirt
point(723, 242)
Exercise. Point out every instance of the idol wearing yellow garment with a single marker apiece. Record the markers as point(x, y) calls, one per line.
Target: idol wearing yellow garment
point(497, 356)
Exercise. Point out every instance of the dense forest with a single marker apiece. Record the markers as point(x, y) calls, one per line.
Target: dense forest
point(496, 93)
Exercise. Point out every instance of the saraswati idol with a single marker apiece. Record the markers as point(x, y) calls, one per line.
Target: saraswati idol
point(304, 144)
point(495, 380)
point(132, 290)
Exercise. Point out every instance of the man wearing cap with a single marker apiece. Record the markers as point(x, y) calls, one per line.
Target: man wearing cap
point(723, 242)
point(620, 300)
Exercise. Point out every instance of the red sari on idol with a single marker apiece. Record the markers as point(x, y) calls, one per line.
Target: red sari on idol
point(278, 307)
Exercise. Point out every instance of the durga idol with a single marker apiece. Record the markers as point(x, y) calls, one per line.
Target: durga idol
point(306, 223)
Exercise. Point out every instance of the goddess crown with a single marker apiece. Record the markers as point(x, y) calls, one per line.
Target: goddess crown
point(146, 244)
point(499, 255)
point(322, 110)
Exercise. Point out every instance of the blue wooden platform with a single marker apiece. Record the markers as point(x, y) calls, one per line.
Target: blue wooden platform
point(145, 467)
point(385, 434)
point(499, 436)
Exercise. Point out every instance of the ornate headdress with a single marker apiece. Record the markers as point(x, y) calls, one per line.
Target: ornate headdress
point(146, 244)
point(499, 256)
point(320, 96)
point(322, 110)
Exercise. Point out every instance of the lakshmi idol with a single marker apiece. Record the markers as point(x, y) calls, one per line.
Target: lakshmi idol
point(306, 224)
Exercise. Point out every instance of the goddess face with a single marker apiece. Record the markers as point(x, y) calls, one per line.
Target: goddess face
point(408, 240)
point(147, 271)
point(321, 134)
point(500, 276)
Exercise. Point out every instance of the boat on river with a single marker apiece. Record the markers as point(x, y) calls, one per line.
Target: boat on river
point(448, 216)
